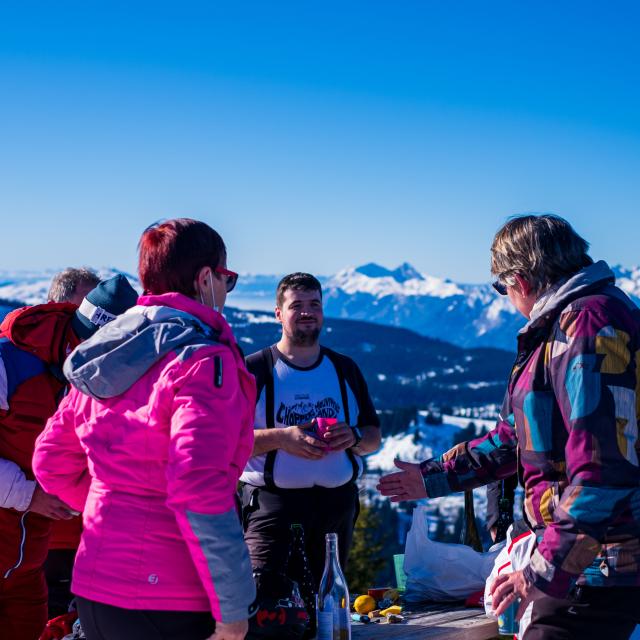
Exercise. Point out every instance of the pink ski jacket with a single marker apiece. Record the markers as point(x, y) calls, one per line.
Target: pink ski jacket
point(149, 445)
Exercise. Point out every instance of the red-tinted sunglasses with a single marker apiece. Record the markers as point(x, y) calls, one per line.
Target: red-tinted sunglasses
point(231, 276)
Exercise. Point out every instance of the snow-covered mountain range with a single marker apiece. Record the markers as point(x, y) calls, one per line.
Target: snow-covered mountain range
point(468, 315)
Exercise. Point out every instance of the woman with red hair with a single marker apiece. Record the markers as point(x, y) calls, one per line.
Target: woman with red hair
point(149, 445)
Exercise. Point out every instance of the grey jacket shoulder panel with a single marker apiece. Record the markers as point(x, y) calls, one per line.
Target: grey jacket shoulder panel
point(121, 352)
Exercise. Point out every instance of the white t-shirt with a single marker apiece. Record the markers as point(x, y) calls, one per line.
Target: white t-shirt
point(300, 395)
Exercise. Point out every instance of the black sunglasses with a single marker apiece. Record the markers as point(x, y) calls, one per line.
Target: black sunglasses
point(499, 287)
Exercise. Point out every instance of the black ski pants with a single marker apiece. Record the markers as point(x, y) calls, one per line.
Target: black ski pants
point(267, 516)
point(104, 622)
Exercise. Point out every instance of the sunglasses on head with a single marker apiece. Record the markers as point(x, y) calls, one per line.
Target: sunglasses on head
point(231, 277)
point(500, 287)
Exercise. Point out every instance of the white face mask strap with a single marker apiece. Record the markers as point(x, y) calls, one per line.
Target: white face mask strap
point(215, 307)
point(213, 297)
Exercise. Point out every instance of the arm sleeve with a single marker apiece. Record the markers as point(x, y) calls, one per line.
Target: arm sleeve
point(473, 464)
point(349, 371)
point(206, 425)
point(15, 490)
point(594, 382)
point(59, 462)
point(367, 416)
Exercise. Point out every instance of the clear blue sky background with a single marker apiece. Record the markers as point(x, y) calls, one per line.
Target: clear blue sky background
point(316, 135)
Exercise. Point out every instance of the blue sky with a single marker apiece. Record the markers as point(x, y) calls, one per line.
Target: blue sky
point(316, 135)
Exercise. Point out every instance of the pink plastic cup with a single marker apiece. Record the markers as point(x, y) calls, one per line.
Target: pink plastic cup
point(323, 425)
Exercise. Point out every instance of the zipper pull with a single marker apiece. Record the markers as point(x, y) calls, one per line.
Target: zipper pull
point(217, 371)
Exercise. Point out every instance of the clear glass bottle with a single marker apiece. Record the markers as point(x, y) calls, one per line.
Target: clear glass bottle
point(332, 605)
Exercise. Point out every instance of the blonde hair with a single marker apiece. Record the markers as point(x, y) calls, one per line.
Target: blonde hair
point(541, 248)
point(64, 284)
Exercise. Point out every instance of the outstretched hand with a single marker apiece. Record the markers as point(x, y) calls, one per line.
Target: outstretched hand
point(407, 484)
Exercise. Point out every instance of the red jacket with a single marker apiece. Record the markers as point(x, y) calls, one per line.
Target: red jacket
point(34, 342)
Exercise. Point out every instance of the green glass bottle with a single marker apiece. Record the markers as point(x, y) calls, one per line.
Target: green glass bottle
point(470, 534)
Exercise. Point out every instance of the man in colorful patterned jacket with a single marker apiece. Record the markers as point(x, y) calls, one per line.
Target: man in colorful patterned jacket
point(569, 428)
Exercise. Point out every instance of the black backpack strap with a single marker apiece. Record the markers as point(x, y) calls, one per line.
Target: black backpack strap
point(267, 364)
point(345, 405)
point(269, 401)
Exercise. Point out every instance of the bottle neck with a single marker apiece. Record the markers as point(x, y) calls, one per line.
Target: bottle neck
point(331, 557)
point(331, 545)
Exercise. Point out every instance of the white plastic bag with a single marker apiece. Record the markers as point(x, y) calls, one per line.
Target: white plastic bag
point(515, 555)
point(440, 571)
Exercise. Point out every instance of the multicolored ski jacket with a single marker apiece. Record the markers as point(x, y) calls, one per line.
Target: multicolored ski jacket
point(569, 425)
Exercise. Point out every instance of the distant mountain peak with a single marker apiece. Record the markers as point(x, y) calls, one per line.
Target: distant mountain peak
point(400, 274)
point(373, 270)
point(406, 272)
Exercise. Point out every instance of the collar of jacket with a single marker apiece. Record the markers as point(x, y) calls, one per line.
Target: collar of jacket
point(120, 353)
point(588, 281)
point(183, 303)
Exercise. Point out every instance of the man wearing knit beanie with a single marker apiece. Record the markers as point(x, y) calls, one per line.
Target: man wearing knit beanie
point(34, 342)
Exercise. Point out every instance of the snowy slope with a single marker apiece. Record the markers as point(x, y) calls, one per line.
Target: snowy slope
point(421, 441)
point(628, 280)
point(31, 287)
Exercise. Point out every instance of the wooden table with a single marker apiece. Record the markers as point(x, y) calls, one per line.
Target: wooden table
point(441, 621)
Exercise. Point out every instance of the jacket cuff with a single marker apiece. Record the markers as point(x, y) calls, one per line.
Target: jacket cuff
point(15, 490)
point(437, 485)
point(545, 576)
point(26, 492)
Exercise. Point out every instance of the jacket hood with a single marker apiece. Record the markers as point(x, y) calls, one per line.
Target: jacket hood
point(589, 280)
point(121, 352)
point(43, 329)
